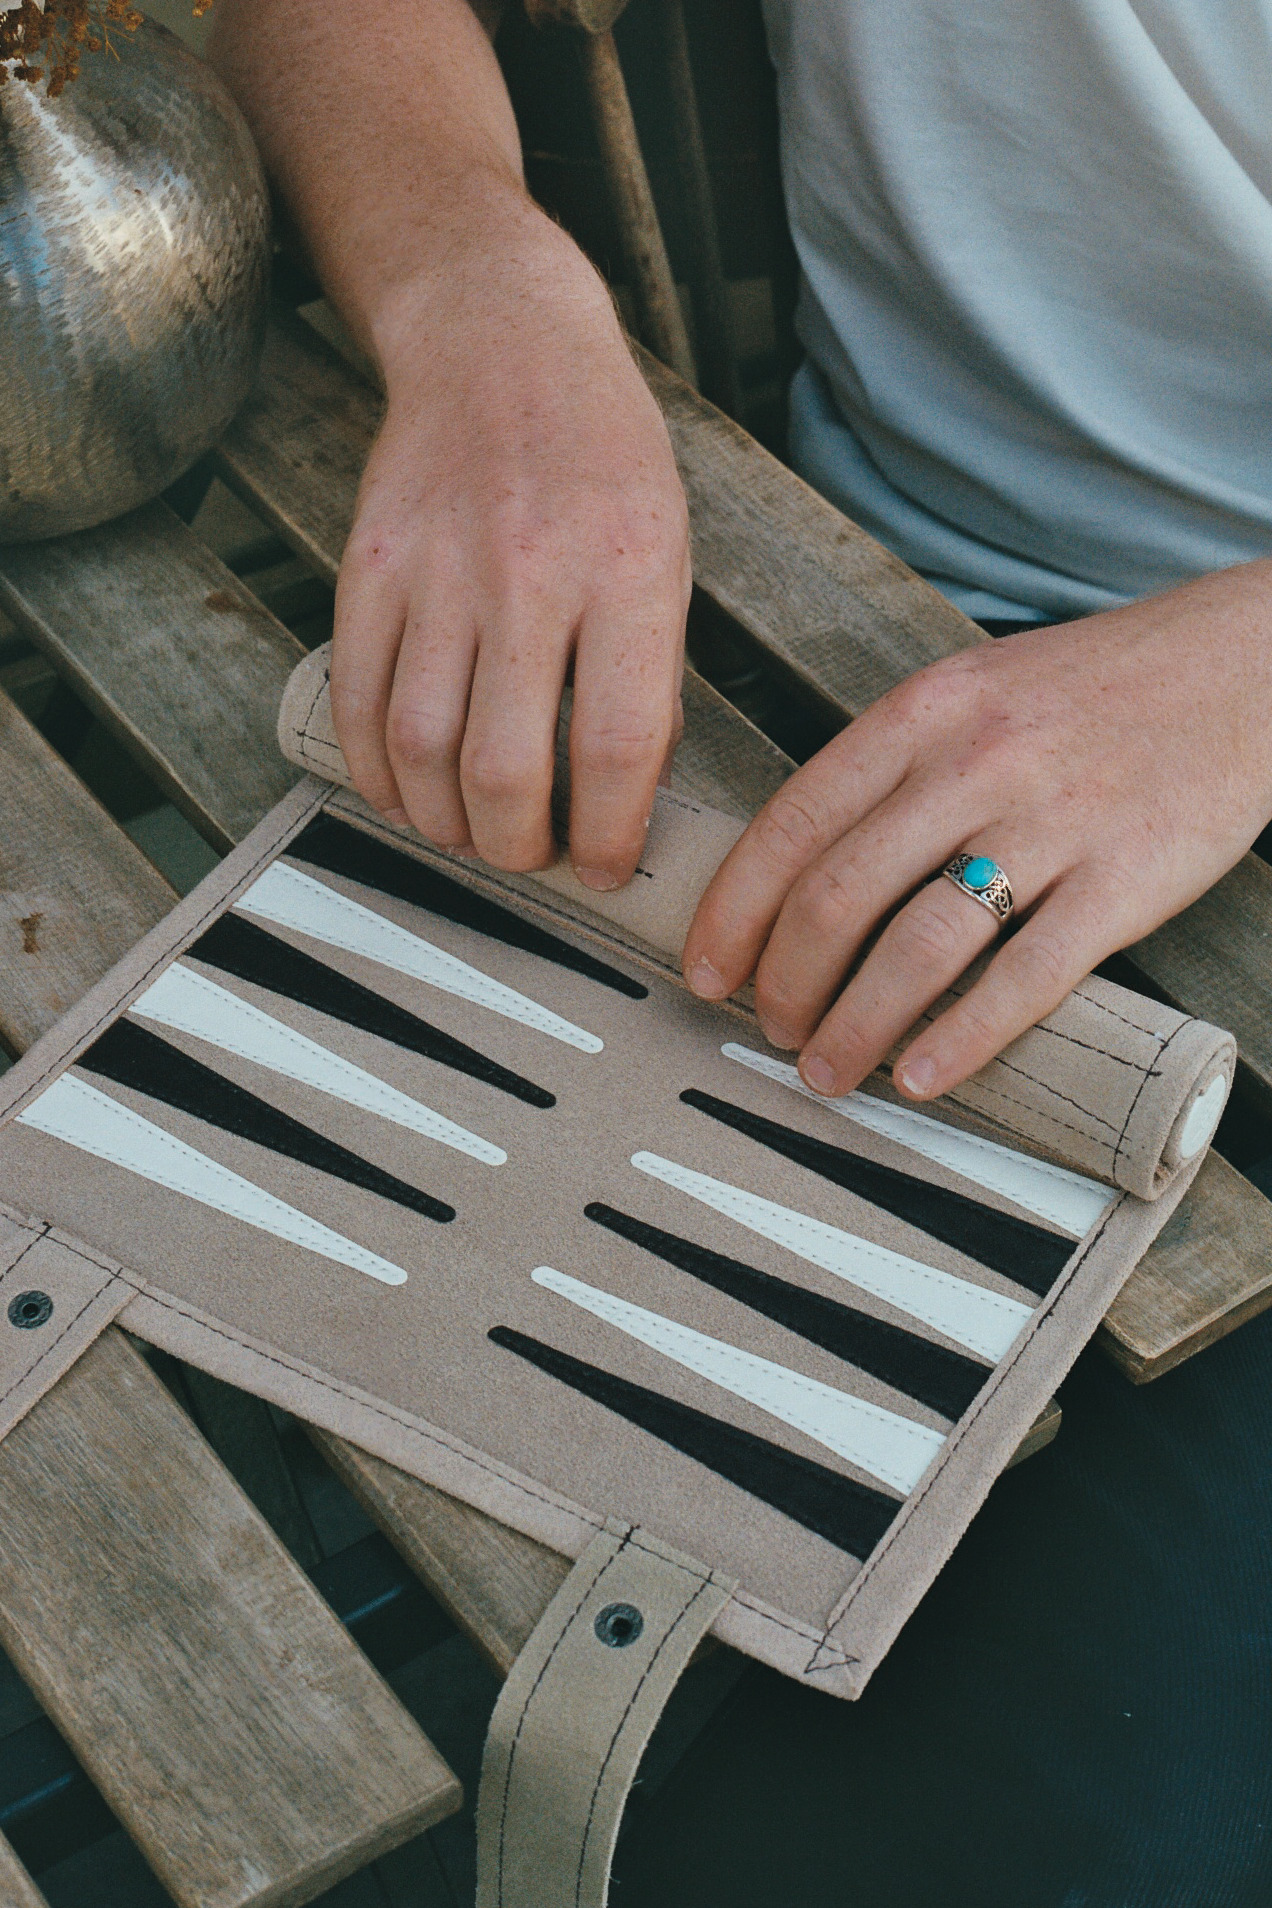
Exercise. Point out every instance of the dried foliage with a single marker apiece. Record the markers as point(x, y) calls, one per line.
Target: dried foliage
point(48, 43)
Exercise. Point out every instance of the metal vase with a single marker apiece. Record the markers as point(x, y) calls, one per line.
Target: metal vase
point(134, 268)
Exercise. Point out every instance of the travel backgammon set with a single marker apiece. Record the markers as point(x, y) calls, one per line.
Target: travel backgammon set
point(452, 1163)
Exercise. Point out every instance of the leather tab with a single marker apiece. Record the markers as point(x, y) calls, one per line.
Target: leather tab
point(54, 1300)
point(575, 1714)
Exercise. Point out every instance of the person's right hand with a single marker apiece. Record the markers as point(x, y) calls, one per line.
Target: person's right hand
point(520, 516)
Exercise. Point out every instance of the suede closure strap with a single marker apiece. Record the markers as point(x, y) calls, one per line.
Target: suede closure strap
point(54, 1300)
point(575, 1714)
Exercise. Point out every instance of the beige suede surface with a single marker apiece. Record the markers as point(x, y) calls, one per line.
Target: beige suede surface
point(575, 1715)
point(84, 1291)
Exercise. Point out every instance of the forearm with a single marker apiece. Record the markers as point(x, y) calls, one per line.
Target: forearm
point(389, 133)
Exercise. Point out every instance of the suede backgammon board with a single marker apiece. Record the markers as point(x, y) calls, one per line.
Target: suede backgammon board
point(453, 1165)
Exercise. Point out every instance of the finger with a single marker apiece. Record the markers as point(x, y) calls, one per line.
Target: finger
point(624, 719)
point(837, 903)
point(369, 617)
point(829, 795)
point(428, 711)
point(920, 954)
point(1071, 933)
point(509, 749)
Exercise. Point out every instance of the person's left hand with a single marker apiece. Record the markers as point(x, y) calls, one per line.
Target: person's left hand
point(1114, 768)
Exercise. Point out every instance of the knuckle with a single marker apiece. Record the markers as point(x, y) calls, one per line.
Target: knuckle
point(618, 751)
point(922, 936)
point(789, 829)
point(417, 740)
point(500, 775)
point(1042, 963)
point(978, 1025)
point(825, 904)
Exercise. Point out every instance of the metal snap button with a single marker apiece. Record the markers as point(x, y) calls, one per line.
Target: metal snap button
point(30, 1309)
point(618, 1625)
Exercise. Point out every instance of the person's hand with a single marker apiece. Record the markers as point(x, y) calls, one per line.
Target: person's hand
point(1114, 767)
point(521, 515)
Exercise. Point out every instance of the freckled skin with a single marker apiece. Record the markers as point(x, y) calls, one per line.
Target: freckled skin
point(1115, 767)
point(521, 523)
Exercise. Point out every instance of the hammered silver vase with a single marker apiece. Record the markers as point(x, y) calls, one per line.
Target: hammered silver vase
point(134, 267)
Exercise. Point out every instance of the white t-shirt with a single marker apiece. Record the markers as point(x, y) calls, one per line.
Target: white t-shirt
point(1036, 238)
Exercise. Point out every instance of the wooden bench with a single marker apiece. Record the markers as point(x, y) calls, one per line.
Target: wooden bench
point(227, 1718)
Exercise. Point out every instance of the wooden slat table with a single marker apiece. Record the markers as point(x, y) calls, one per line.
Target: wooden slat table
point(186, 668)
point(222, 1710)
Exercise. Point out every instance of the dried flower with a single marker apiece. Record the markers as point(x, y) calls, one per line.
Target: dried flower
point(48, 43)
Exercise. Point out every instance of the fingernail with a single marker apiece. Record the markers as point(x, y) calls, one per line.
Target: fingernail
point(776, 1035)
point(398, 816)
point(599, 878)
point(466, 853)
point(705, 981)
point(817, 1073)
point(916, 1076)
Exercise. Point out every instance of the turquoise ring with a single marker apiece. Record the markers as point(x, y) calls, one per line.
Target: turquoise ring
point(984, 881)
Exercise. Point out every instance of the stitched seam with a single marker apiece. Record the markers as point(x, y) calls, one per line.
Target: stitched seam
point(419, 1429)
point(738, 1365)
point(1121, 1138)
point(531, 1693)
point(28, 1247)
point(454, 976)
point(1066, 1099)
point(50, 1348)
point(379, 1097)
point(1053, 1119)
point(621, 1725)
point(929, 1279)
point(1093, 1046)
point(987, 1397)
point(214, 911)
point(323, 683)
point(390, 1415)
point(177, 1148)
point(1090, 1000)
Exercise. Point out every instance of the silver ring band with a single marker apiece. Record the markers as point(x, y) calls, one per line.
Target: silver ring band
point(982, 880)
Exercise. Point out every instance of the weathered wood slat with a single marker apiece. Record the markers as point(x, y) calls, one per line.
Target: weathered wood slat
point(1215, 960)
point(134, 612)
point(295, 451)
point(17, 1890)
point(723, 759)
point(492, 1581)
point(1210, 1270)
point(844, 617)
point(65, 916)
point(212, 1695)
